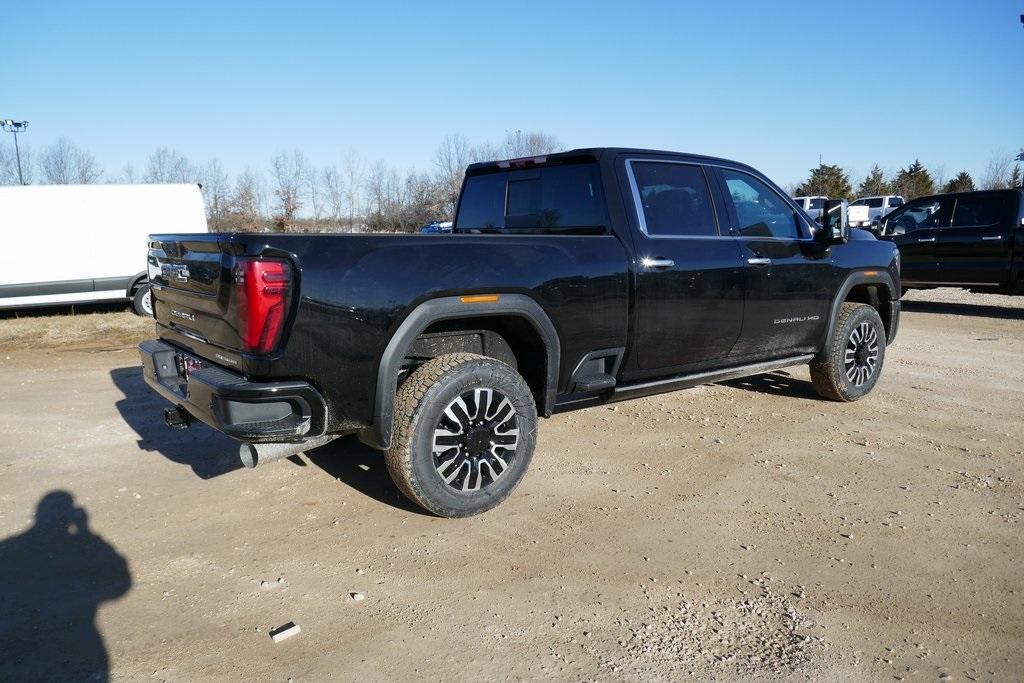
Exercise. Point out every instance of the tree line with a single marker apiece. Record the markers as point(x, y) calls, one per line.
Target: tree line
point(292, 194)
point(831, 180)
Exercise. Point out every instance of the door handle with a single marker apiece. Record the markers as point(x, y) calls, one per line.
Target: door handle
point(926, 239)
point(759, 261)
point(653, 263)
point(996, 237)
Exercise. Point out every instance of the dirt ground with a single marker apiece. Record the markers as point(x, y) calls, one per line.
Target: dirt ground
point(736, 531)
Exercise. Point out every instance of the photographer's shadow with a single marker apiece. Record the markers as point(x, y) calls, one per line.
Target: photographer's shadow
point(207, 452)
point(53, 578)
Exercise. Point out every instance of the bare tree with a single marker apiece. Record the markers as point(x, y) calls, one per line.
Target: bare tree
point(63, 163)
point(9, 165)
point(289, 172)
point(216, 185)
point(997, 173)
point(314, 190)
point(128, 175)
point(518, 143)
point(168, 166)
point(245, 206)
point(452, 157)
point(334, 192)
point(354, 169)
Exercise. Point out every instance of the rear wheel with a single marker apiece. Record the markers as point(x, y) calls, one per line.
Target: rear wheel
point(464, 434)
point(854, 355)
point(142, 300)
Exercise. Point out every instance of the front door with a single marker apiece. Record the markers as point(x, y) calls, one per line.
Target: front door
point(976, 248)
point(789, 275)
point(914, 228)
point(689, 276)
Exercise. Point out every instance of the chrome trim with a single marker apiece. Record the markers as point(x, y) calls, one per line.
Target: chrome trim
point(997, 237)
point(759, 261)
point(657, 262)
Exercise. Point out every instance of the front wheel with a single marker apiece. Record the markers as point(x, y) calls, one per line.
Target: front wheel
point(853, 356)
point(142, 300)
point(464, 432)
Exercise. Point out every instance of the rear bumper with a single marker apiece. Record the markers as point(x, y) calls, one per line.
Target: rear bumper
point(228, 402)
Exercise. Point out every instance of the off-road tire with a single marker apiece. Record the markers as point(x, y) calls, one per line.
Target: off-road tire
point(829, 372)
point(142, 298)
point(420, 405)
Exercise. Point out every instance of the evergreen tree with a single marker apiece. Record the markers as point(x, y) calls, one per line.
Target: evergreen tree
point(826, 180)
point(961, 183)
point(874, 184)
point(913, 181)
point(1015, 177)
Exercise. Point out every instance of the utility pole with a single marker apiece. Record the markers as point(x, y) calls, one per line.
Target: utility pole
point(16, 127)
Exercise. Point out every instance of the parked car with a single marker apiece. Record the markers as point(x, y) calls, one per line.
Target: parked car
point(972, 240)
point(436, 228)
point(114, 220)
point(878, 207)
point(812, 205)
point(571, 280)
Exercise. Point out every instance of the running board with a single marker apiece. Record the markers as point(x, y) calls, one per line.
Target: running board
point(725, 374)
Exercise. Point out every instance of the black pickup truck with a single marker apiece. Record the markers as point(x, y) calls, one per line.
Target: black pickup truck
point(569, 280)
point(972, 240)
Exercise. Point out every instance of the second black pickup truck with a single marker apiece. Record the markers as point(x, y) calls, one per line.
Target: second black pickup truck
point(972, 240)
point(569, 280)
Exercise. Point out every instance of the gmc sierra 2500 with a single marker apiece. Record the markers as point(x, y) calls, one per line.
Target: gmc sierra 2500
point(570, 280)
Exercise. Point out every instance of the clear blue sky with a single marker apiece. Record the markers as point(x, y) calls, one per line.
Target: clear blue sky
point(773, 84)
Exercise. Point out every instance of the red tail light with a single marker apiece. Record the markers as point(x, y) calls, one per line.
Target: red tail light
point(263, 288)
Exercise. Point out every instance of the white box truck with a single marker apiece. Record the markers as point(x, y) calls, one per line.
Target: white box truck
point(65, 244)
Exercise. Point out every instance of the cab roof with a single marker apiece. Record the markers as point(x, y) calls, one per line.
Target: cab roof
point(589, 154)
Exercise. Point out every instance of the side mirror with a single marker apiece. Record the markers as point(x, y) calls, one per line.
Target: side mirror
point(835, 225)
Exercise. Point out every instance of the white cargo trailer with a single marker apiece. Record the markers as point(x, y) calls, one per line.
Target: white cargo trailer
point(65, 244)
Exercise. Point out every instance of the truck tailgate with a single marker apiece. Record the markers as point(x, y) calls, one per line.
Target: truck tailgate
point(193, 288)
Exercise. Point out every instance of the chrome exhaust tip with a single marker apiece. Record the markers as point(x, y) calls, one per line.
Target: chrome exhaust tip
point(255, 454)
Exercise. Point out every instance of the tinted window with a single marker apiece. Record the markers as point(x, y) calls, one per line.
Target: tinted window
point(920, 214)
point(760, 212)
point(816, 203)
point(876, 202)
point(552, 199)
point(859, 202)
point(980, 210)
point(895, 201)
point(675, 199)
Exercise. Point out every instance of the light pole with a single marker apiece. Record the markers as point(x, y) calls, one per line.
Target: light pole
point(16, 127)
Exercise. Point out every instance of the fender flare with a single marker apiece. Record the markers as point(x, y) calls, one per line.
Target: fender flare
point(854, 279)
point(449, 308)
point(134, 282)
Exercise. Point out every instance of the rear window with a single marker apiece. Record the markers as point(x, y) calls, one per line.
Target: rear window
point(817, 203)
point(876, 202)
point(551, 199)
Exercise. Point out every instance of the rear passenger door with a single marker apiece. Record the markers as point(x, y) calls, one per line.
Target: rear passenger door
point(689, 276)
point(789, 277)
point(976, 247)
